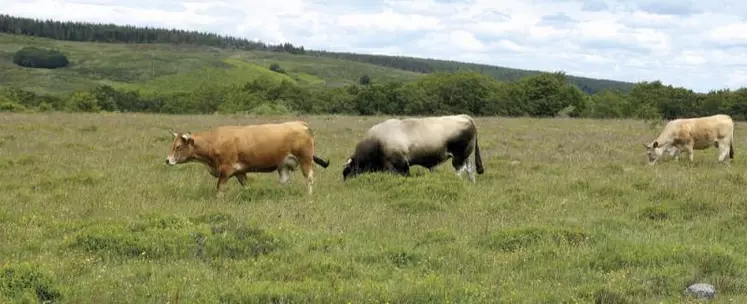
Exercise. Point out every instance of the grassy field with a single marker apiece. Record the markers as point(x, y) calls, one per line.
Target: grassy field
point(567, 211)
point(150, 66)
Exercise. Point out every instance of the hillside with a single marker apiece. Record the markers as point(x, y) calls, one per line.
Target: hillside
point(318, 65)
point(175, 68)
point(424, 65)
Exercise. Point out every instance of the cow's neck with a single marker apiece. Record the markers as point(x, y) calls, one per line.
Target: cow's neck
point(665, 141)
point(202, 152)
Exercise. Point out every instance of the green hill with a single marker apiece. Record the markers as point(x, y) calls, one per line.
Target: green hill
point(174, 68)
point(121, 55)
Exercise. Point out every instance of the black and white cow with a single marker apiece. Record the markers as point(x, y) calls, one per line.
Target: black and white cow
point(396, 144)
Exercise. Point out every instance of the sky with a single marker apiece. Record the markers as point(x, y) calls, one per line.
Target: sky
point(698, 45)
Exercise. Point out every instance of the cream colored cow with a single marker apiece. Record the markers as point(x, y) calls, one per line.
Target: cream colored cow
point(688, 134)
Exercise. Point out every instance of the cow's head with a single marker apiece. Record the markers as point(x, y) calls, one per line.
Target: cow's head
point(350, 169)
point(368, 157)
point(182, 148)
point(653, 151)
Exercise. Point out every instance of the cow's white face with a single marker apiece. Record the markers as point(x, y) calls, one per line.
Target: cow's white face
point(654, 151)
point(181, 148)
point(347, 170)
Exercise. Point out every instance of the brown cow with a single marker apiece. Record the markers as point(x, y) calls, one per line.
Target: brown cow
point(233, 151)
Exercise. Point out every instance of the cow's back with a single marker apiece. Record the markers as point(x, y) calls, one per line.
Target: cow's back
point(701, 130)
point(426, 133)
point(263, 143)
point(436, 130)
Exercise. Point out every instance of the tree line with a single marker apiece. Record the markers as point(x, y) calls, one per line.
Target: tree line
point(542, 95)
point(111, 33)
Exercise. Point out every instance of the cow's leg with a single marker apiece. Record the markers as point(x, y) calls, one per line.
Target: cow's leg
point(284, 174)
point(400, 166)
point(460, 164)
point(723, 149)
point(689, 149)
point(307, 168)
point(467, 166)
point(225, 172)
point(470, 170)
point(241, 177)
point(396, 164)
point(404, 169)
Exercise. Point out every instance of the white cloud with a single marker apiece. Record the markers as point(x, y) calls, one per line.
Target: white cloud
point(599, 29)
point(730, 32)
point(511, 46)
point(466, 41)
point(691, 58)
point(700, 45)
point(389, 21)
point(737, 78)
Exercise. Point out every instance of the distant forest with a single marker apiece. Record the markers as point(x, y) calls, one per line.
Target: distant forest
point(111, 33)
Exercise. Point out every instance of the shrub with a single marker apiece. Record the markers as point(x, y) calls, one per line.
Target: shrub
point(11, 107)
point(276, 68)
point(33, 57)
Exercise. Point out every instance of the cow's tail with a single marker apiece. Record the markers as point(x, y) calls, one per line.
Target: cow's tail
point(321, 162)
point(478, 158)
point(731, 150)
point(317, 159)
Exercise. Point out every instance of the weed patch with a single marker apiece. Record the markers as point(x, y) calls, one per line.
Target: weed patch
point(180, 238)
point(654, 213)
point(24, 282)
point(439, 236)
point(694, 208)
point(523, 238)
point(607, 296)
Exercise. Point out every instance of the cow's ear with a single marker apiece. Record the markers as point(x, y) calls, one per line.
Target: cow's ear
point(656, 144)
point(188, 138)
point(174, 134)
point(645, 146)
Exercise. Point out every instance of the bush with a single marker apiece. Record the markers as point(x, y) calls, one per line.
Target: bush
point(365, 80)
point(276, 68)
point(270, 109)
point(8, 105)
point(11, 107)
point(33, 57)
point(83, 101)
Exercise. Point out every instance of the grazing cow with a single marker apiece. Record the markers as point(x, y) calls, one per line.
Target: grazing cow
point(688, 134)
point(396, 144)
point(233, 151)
